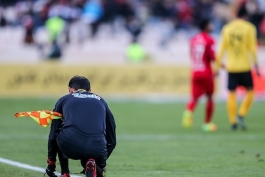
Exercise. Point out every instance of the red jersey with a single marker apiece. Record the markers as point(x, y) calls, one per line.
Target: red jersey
point(202, 54)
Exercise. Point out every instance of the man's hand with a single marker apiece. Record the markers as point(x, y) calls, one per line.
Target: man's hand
point(216, 74)
point(257, 70)
point(50, 168)
point(50, 173)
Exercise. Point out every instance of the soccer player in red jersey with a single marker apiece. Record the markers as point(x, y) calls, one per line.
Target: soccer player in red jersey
point(202, 76)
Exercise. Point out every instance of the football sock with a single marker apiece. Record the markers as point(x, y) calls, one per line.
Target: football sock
point(63, 162)
point(246, 104)
point(209, 110)
point(231, 107)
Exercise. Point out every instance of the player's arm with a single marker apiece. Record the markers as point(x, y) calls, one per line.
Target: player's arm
point(252, 38)
point(211, 51)
point(221, 50)
point(52, 145)
point(110, 131)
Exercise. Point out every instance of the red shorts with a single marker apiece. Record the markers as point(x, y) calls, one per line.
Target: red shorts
point(202, 85)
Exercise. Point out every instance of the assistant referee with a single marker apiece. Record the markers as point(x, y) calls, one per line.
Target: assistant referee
point(240, 44)
point(87, 132)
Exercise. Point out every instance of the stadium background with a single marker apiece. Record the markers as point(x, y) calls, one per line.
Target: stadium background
point(164, 36)
point(154, 88)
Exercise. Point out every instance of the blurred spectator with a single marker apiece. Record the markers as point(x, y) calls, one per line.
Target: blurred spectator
point(255, 15)
point(27, 23)
point(40, 12)
point(25, 14)
point(166, 12)
point(184, 10)
point(3, 21)
point(221, 17)
point(5, 3)
point(92, 15)
point(135, 53)
point(86, 16)
point(65, 11)
point(110, 10)
point(55, 26)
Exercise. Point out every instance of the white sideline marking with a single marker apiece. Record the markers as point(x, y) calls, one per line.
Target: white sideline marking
point(26, 166)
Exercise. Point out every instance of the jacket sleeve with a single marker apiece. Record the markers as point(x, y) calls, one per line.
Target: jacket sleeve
point(210, 50)
point(110, 131)
point(52, 145)
point(54, 130)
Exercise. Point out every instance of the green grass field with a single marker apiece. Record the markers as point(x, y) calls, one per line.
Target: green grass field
point(151, 142)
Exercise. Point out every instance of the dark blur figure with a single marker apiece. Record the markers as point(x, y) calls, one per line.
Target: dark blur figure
point(110, 10)
point(125, 9)
point(202, 9)
point(28, 25)
point(3, 21)
point(132, 23)
point(63, 10)
point(184, 13)
point(25, 18)
point(255, 15)
point(164, 9)
point(7, 2)
point(134, 26)
point(92, 14)
point(56, 51)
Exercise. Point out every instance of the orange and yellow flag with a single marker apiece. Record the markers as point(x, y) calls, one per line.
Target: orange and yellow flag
point(43, 117)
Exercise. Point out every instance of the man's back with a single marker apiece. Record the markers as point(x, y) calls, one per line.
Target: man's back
point(239, 41)
point(89, 130)
point(85, 111)
point(202, 54)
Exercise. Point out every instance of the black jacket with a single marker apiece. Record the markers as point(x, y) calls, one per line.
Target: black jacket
point(87, 112)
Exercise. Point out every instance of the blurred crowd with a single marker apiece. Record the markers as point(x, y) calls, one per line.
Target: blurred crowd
point(58, 16)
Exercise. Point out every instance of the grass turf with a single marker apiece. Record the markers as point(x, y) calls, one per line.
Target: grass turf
point(151, 141)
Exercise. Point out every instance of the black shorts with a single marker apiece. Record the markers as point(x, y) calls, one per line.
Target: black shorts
point(240, 79)
point(79, 146)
